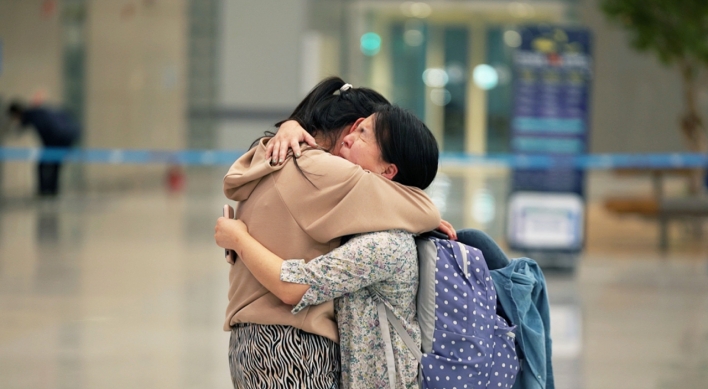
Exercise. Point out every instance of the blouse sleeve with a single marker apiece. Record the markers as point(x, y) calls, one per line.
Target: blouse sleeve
point(362, 261)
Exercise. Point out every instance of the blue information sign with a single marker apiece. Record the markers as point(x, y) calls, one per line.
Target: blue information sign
point(553, 70)
point(553, 73)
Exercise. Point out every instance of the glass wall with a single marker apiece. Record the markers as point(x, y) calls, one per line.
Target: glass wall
point(454, 96)
point(202, 74)
point(500, 44)
point(408, 54)
point(74, 53)
point(449, 63)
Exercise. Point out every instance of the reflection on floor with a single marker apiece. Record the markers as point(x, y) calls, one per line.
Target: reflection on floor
point(128, 291)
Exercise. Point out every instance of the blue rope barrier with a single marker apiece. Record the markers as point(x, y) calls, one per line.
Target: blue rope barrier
point(122, 156)
point(227, 157)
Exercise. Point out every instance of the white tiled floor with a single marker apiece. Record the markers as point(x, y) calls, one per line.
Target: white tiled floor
point(128, 291)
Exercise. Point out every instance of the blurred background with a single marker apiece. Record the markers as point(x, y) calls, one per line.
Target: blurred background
point(572, 132)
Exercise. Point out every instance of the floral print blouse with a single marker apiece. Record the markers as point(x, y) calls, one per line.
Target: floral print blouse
point(372, 267)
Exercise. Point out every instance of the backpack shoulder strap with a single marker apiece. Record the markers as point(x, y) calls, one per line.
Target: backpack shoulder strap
point(390, 362)
point(385, 317)
point(415, 350)
point(465, 260)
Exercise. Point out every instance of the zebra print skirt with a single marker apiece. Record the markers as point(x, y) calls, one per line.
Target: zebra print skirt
point(276, 356)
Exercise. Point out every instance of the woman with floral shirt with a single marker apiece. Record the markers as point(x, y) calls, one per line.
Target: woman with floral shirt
point(369, 268)
point(378, 266)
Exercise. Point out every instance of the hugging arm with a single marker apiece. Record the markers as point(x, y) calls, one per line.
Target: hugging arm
point(349, 200)
point(362, 261)
point(341, 198)
point(289, 136)
point(261, 262)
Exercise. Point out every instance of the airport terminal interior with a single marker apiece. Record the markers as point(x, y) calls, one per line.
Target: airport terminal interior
point(117, 281)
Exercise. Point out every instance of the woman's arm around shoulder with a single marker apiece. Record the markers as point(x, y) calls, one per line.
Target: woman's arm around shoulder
point(339, 198)
point(262, 263)
point(364, 260)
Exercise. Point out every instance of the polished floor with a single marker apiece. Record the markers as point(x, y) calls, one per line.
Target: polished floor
point(127, 290)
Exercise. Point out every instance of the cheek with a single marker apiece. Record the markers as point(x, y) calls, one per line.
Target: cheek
point(372, 153)
point(345, 153)
point(352, 155)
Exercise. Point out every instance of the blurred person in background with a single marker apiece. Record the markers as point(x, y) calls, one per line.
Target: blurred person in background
point(56, 128)
point(300, 209)
point(368, 268)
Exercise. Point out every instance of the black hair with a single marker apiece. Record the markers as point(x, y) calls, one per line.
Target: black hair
point(407, 142)
point(16, 108)
point(327, 110)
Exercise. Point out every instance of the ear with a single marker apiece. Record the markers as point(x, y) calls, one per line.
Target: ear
point(355, 125)
point(390, 171)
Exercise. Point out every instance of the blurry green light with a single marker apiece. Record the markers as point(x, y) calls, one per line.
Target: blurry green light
point(370, 43)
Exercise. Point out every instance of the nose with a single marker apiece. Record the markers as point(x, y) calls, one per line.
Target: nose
point(348, 140)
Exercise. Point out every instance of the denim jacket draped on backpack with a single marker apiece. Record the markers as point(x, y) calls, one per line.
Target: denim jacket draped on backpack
point(521, 291)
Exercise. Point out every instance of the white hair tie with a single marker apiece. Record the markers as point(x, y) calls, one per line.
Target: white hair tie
point(345, 87)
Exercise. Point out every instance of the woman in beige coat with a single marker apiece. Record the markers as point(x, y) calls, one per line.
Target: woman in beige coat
point(301, 209)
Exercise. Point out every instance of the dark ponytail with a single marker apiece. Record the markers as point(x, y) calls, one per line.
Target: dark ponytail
point(327, 109)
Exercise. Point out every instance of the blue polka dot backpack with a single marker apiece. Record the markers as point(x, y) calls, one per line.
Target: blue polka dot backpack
point(465, 344)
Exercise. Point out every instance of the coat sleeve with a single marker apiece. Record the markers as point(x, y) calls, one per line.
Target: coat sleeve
point(330, 197)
